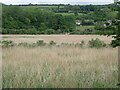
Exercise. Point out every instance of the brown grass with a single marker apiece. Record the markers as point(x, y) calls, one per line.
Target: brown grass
point(0, 67)
point(56, 38)
point(59, 67)
point(0, 64)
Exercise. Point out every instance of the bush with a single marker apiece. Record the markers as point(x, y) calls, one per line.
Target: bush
point(65, 44)
point(97, 43)
point(88, 31)
point(25, 44)
point(33, 45)
point(81, 44)
point(7, 43)
point(77, 45)
point(115, 43)
point(49, 31)
point(41, 43)
point(52, 43)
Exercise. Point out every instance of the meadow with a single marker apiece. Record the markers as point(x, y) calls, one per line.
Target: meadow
point(59, 67)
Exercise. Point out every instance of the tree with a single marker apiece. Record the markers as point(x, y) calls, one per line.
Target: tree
point(116, 42)
point(115, 1)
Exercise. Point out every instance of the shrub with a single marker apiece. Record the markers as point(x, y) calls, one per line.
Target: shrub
point(77, 44)
point(49, 31)
point(41, 43)
point(7, 43)
point(24, 44)
point(97, 43)
point(115, 43)
point(33, 45)
point(88, 31)
point(82, 43)
point(64, 44)
point(52, 43)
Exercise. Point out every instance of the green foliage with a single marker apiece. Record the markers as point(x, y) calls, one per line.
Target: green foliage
point(19, 21)
point(52, 43)
point(112, 15)
point(88, 22)
point(19, 31)
point(64, 44)
point(56, 19)
point(99, 25)
point(50, 31)
point(99, 84)
point(40, 43)
point(96, 43)
point(116, 41)
point(88, 31)
point(82, 43)
point(24, 44)
point(7, 43)
point(92, 44)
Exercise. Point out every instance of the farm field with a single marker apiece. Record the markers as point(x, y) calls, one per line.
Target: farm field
point(56, 38)
point(65, 14)
point(38, 7)
point(59, 67)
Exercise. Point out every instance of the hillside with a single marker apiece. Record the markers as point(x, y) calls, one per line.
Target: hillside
point(58, 19)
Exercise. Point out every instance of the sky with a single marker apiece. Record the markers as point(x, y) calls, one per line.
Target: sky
point(56, 1)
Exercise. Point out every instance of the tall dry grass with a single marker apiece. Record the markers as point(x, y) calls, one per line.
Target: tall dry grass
point(59, 67)
point(0, 67)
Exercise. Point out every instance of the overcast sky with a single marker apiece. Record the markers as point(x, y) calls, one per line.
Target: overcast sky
point(53, 1)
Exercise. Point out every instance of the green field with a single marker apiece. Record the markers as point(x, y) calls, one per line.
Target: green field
point(48, 8)
point(38, 7)
point(82, 28)
point(65, 13)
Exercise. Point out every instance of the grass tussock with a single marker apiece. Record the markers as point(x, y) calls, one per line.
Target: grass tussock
point(59, 67)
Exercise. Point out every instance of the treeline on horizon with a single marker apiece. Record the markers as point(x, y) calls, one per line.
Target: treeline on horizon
point(18, 19)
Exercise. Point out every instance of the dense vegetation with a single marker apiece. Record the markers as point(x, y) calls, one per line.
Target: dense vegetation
point(19, 21)
point(59, 19)
point(116, 42)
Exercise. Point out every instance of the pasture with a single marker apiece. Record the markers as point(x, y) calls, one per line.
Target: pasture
point(46, 8)
point(59, 67)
